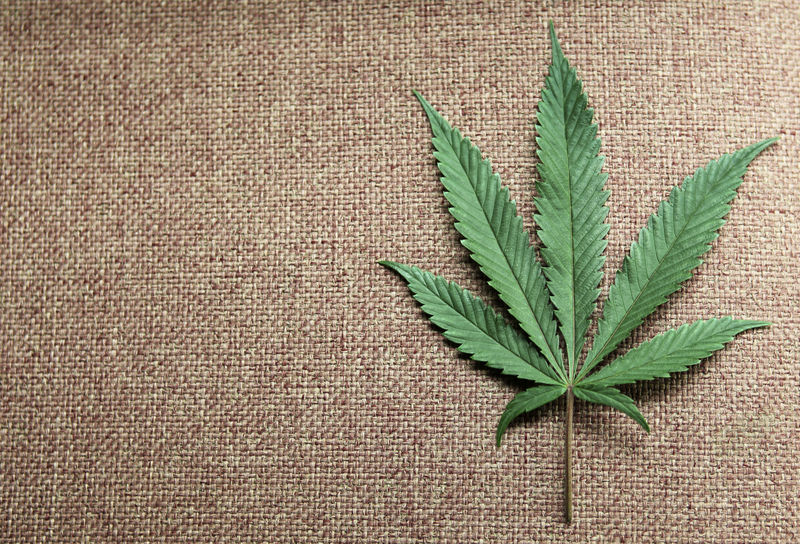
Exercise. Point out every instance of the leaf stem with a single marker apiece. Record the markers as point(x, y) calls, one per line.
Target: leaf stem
point(568, 457)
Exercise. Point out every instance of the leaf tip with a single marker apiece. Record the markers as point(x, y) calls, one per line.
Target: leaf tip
point(770, 141)
point(501, 430)
point(425, 104)
point(758, 147)
point(391, 265)
point(434, 117)
point(557, 53)
point(502, 425)
point(760, 324)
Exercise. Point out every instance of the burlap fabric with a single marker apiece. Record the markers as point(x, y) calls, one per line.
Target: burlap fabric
point(197, 344)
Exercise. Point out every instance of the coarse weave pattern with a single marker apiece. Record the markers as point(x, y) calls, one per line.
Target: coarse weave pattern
point(196, 342)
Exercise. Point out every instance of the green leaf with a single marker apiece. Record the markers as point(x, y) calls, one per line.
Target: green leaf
point(672, 351)
point(669, 248)
point(561, 297)
point(474, 327)
point(610, 396)
point(571, 206)
point(493, 233)
point(526, 401)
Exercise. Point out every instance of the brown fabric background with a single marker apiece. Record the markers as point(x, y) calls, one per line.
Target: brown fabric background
point(197, 343)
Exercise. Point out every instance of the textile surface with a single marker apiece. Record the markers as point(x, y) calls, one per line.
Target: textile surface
point(196, 342)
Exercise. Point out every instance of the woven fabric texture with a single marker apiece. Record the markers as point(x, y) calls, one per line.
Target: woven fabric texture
point(196, 342)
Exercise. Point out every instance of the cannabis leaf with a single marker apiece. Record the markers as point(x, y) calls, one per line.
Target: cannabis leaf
point(562, 294)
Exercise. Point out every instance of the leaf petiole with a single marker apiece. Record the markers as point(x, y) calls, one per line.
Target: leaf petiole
point(568, 456)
